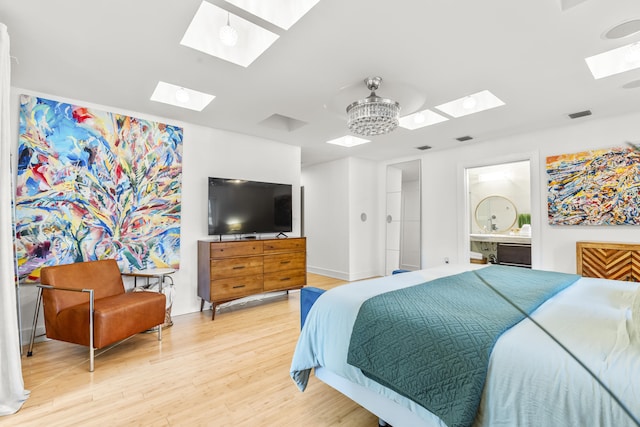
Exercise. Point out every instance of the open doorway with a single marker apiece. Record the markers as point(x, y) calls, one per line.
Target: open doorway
point(500, 207)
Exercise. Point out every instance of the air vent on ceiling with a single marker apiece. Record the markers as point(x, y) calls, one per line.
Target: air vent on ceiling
point(424, 147)
point(464, 138)
point(580, 114)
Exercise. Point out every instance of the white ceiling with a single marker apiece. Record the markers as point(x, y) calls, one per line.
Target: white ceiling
point(530, 54)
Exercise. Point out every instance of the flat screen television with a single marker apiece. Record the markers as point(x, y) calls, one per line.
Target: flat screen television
point(246, 207)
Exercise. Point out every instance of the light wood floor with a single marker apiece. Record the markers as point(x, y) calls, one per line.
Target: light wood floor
point(233, 371)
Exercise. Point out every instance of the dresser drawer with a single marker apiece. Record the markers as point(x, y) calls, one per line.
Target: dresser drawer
point(290, 261)
point(284, 245)
point(284, 280)
point(235, 267)
point(232, 249)
point(236, 287)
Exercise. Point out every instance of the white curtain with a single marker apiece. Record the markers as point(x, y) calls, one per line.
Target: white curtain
point(12, 392)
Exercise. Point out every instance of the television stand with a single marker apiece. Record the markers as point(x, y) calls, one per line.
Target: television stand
point(235, 269)
point(281, 234)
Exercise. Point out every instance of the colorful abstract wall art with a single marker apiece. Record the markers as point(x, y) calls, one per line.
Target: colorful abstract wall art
point(600, 187)
point(94, 185)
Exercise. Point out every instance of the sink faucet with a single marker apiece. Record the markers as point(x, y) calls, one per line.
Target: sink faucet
point(492, 226)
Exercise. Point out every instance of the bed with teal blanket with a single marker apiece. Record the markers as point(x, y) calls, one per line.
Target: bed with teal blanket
point(452, 346)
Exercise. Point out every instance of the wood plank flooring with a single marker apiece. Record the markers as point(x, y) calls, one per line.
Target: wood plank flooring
point(233, 371)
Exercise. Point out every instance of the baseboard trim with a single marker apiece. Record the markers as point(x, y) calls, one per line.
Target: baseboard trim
point(329, 273)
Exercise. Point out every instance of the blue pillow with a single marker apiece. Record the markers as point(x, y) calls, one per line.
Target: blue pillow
point(308, 296)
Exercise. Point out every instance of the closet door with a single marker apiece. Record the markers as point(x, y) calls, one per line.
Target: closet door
point(392, 218)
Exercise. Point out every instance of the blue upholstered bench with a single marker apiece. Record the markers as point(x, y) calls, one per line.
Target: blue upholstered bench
point(308, 296)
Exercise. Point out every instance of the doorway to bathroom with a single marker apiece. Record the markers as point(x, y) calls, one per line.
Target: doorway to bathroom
point(499, 216)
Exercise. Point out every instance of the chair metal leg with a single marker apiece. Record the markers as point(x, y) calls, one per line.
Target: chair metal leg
point(35, 321)
point(160, 332)
point(91, 347)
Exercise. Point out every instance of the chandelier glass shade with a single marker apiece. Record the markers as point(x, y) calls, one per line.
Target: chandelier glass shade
point(373, 115)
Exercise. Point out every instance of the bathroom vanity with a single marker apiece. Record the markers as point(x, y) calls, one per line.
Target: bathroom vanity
point(496, 217)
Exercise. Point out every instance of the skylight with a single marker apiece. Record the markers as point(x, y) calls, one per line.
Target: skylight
point(348, 141)
point(421, 119)
point(615, 61)
point(470, 104)
point(203, 34)
point(283, 13)
point(181, 96)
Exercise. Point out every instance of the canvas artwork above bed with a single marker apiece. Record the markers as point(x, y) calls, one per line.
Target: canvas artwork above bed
point(571, 363)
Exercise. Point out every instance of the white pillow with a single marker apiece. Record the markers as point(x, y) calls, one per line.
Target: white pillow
point(634, 324)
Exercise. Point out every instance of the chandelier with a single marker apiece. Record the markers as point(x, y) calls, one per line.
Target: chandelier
point(373, 115)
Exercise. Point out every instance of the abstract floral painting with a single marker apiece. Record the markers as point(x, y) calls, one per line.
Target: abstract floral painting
point(94, 185)
point(600, 187)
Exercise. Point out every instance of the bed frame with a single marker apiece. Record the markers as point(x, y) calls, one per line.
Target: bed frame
point(387, 410)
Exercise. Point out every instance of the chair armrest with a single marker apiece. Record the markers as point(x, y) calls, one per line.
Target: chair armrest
point(58, 288)
point(91, 314)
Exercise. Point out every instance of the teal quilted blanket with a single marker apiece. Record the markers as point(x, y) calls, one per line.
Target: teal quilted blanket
point(431, 342)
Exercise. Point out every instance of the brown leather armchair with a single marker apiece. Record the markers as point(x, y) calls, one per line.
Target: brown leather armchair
point(86, 303)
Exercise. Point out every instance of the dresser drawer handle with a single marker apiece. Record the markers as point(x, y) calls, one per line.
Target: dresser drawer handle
point(285, 262)
point(284, 279)
point(239, 286)
point(238, 267)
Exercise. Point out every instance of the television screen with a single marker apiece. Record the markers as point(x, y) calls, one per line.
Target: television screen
point(244, 207)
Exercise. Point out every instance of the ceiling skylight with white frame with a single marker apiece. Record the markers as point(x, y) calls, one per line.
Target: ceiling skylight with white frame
point(421, 119)
point(470, 104)
point(348, 141)
point(615, 61)
point(283, 13)
point(179, 96)
point(203, 34)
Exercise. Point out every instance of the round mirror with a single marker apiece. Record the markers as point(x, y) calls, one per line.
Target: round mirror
point(496, 214)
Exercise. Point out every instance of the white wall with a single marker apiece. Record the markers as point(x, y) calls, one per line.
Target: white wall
point(363, 238)
point(206, 152)
point(553, 246)
point(339, 243)
point(326, 213)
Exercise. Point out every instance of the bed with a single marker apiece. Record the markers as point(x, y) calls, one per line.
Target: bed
point(530, 378)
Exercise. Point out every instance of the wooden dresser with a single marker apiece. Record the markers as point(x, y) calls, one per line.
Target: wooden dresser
point(229, 270)
point(617, 261)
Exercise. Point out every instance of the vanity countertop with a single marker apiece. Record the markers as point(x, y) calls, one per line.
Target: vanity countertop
point(505, 238)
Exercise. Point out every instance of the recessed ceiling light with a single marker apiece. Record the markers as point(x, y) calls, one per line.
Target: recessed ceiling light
point(474, 103)
point(421, 119)
point(632, 84)
point(203, 34)
point(348, 141)
point(181, 96)
point(283, 13)
point(625, 29)
point(615, 61)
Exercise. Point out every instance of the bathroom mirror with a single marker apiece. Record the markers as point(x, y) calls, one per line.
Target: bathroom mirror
point(495, 214)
